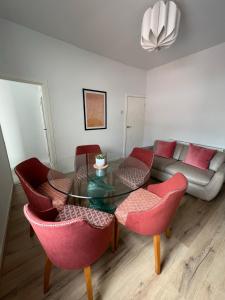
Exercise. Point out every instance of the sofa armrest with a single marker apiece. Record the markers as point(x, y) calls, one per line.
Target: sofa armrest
point(214, 186)
point(221, 172)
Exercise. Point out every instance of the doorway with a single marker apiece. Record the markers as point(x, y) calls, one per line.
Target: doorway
point(134, 123)
point(23, 123)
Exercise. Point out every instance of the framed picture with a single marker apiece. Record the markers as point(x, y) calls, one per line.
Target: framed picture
point(95, 109)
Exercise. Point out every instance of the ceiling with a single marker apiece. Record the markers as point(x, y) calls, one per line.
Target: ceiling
point(112, 28)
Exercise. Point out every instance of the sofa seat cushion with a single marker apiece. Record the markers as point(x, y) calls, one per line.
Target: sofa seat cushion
point(160, 163)
point(94, 217)
point(193, 174)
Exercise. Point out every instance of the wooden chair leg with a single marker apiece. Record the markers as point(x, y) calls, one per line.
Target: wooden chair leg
point(31, 231)
point(116, 234)
point(48, 268)
point(168, 232)
point(156, 241)
point(87, 274)
point(113, 242)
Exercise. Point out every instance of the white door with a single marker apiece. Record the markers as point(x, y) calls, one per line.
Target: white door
point(22, 121)
point(134, 123)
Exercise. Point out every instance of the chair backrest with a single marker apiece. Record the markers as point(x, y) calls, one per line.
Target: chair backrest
point(157, 219)
point(70, 244)
point(86, 149)
point(31, 174)
point(32, 171)
point(146, 156)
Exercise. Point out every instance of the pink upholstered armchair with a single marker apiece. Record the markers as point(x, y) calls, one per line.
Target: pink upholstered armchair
point(43, 199)
point(146, 156)
point(150, 212)
point(76, 241)
point(134, 170)
point(86, 149)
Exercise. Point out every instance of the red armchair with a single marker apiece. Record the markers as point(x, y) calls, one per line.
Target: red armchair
point(149, 212)
point(86, 149)
point(140, 166)
point(146, 156)
point(43, 199)
point(80, 237)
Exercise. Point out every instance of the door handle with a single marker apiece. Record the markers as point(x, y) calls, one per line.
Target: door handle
point(128, 126)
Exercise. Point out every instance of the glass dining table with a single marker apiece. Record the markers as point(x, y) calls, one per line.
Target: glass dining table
point(102, 188)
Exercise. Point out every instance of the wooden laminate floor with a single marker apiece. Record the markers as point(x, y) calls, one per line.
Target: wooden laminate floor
point(193, 261)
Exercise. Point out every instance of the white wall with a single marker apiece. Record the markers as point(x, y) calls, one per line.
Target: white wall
point(6, 185)
point(22, 122)
point(65, 70)
point(186, 99)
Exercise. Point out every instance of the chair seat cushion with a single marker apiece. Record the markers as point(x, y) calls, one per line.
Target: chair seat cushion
point(138, 201)
point(133, 177)
point(84, 171)
point(94, 217)
point(160, 163)
point(193, 174)
point(58, 199)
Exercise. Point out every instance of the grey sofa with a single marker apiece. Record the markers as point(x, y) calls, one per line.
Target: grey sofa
point(203, 184)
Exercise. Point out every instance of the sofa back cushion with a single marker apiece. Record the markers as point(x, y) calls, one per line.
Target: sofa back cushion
point(183, 152)
point(178, 150)
point(199, 157)
point(165, 149)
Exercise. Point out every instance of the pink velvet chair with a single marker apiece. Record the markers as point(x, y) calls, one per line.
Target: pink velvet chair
point(77, 240)
point(146, 156)
point(43, 199)
point(87, 149)
point(150, 212)
point(140, 166)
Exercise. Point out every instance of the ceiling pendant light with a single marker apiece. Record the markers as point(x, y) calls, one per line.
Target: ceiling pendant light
point(160, 25)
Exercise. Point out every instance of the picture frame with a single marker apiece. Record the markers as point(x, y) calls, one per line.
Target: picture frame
point(95, 109)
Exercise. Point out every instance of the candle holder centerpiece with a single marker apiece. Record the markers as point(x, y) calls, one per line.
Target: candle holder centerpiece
point(100, 161)
point(100, 164)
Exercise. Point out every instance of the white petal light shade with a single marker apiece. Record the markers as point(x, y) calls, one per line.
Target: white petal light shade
point(160, 26)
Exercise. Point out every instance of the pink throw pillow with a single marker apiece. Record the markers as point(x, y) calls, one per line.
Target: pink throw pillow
point(165, 149)
point(199, 156)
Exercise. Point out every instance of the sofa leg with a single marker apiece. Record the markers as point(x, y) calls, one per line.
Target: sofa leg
point(168, 232)
point(156, 242)
point(87, 274)
point(48, 268)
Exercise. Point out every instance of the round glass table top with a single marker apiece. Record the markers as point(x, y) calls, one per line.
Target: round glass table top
point(100, 186)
